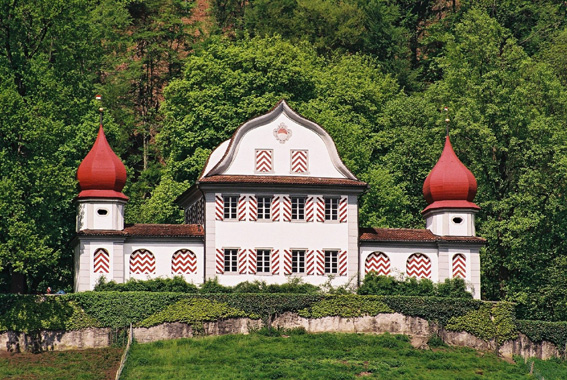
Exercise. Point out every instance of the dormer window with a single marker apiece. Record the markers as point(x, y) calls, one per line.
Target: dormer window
point(264, 161)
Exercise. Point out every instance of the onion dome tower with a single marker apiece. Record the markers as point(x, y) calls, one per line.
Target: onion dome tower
point(101, 176)
point(449, 190)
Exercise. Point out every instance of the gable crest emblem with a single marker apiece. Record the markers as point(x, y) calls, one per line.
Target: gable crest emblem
point(282, 133)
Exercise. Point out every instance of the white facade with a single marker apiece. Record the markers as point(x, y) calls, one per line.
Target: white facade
point(274, 202)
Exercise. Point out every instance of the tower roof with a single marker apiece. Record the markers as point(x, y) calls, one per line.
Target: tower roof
point(449, 184)
point(101, 174)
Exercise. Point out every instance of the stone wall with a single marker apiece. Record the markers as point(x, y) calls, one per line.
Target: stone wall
point(418, 329)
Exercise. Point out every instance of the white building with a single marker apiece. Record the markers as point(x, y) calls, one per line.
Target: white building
point(272, 202)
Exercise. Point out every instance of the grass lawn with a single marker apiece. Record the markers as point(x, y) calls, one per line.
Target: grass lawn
point(311, 356)
point(93, 364)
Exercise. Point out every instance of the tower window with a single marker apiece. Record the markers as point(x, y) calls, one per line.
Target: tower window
point(102, 212)
point(457, 220)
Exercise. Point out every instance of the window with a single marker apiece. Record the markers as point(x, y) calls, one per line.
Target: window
point(331, 262)
point(263, 260)
point(297, 261)
point(264, 207)
point(231, 260)
point(230, 206)
point(297, 208)
point(331, 208)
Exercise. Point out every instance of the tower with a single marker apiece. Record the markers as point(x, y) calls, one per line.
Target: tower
point(449, 189)
point(101, 176)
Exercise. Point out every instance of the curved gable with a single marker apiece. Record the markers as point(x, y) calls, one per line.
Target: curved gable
point(280, 143)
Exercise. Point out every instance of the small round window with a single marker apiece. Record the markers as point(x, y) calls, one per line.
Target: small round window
point(102, 211)
point(457, 220)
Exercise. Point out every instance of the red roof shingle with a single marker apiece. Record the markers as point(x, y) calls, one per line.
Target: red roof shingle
point(411, 235)
point(150, 230)
point(282, 180)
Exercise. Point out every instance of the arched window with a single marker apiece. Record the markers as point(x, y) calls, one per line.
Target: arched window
point(142, 261)
point(459, 266)
point(183, 262)
point(418, 266)
point(101, 261)
point(379, 263)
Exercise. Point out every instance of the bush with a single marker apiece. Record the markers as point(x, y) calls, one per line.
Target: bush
point(176, 284)
point(374, 284)
point(538, 331)
point(347, 306)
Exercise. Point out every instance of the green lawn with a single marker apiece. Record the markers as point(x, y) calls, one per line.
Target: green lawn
point(93, 364)
point(312, 356)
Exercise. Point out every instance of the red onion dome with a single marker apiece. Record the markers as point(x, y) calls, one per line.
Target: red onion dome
point(449, 184)
point(101, 174)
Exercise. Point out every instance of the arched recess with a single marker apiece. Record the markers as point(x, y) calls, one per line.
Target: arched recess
point(418, 266)
point(459, 266)
point(184, 262)
point(101, 261)
point(142, 261)
point(379, 263)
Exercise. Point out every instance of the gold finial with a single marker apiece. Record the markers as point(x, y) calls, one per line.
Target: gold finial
point(100, 110)
point(446, 110)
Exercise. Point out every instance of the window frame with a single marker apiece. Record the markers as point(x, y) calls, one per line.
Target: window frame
point(331, 261)
point(263, 264)
point(230, 265)
point(230, 212)
point(266, 213)
point(332, 209)
point(298, 257)
point(298, 209)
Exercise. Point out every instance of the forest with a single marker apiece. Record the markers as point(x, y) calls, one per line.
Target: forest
point(177, 77)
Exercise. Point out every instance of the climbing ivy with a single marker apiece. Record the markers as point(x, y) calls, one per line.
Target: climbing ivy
point(346, 306)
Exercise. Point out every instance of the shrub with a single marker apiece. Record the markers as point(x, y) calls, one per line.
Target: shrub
point(374, 284)
point(176, 284)
point(347, 306)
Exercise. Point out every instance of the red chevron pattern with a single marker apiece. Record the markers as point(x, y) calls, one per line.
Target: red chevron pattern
point(309, 209)
point(242, 261)
point(459, 266)
point(242, 208)
point(343, 210)
point(320, 263)
point(252, 208)
point(343, 263)
point(219, 207)
point(275, 208)
point(252, 261)
point(310, 263)
point(276, 262)
point(220, 261)
point(263, 160)
point(286, 208)
point(418, 266)
point(379, 263)
point(142, 262)
point(299, 161)
point(184, 262)
point(287, 261)
point(320, 209)
point(101, 261)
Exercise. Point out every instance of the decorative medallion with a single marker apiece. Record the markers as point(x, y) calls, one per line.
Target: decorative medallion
point(282, 133)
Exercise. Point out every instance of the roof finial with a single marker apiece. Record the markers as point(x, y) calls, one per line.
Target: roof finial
point(100, 110)
point(446, 110)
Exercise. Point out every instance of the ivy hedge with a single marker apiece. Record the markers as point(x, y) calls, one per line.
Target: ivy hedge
point(486, 320)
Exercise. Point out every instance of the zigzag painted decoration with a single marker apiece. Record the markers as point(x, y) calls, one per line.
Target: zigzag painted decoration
point(142, 261)
point(320, 263)
point(320, 209)
point(276, 262)
point(264, 160)
point(343, 210)
point(220, 261)
point(252, 261)
point(219, 207)
point(343, 263)
point(419, 266)
point(242, 261)
point(286, 206)
point(379, 263)
point(252, 208)
point(299, 161)
point(287, 261)
point(310, 263)
point(184, 262)
point(242, 208)
point(101, 261)
point(309, 209)
point(276, 208)
point(459, 266)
